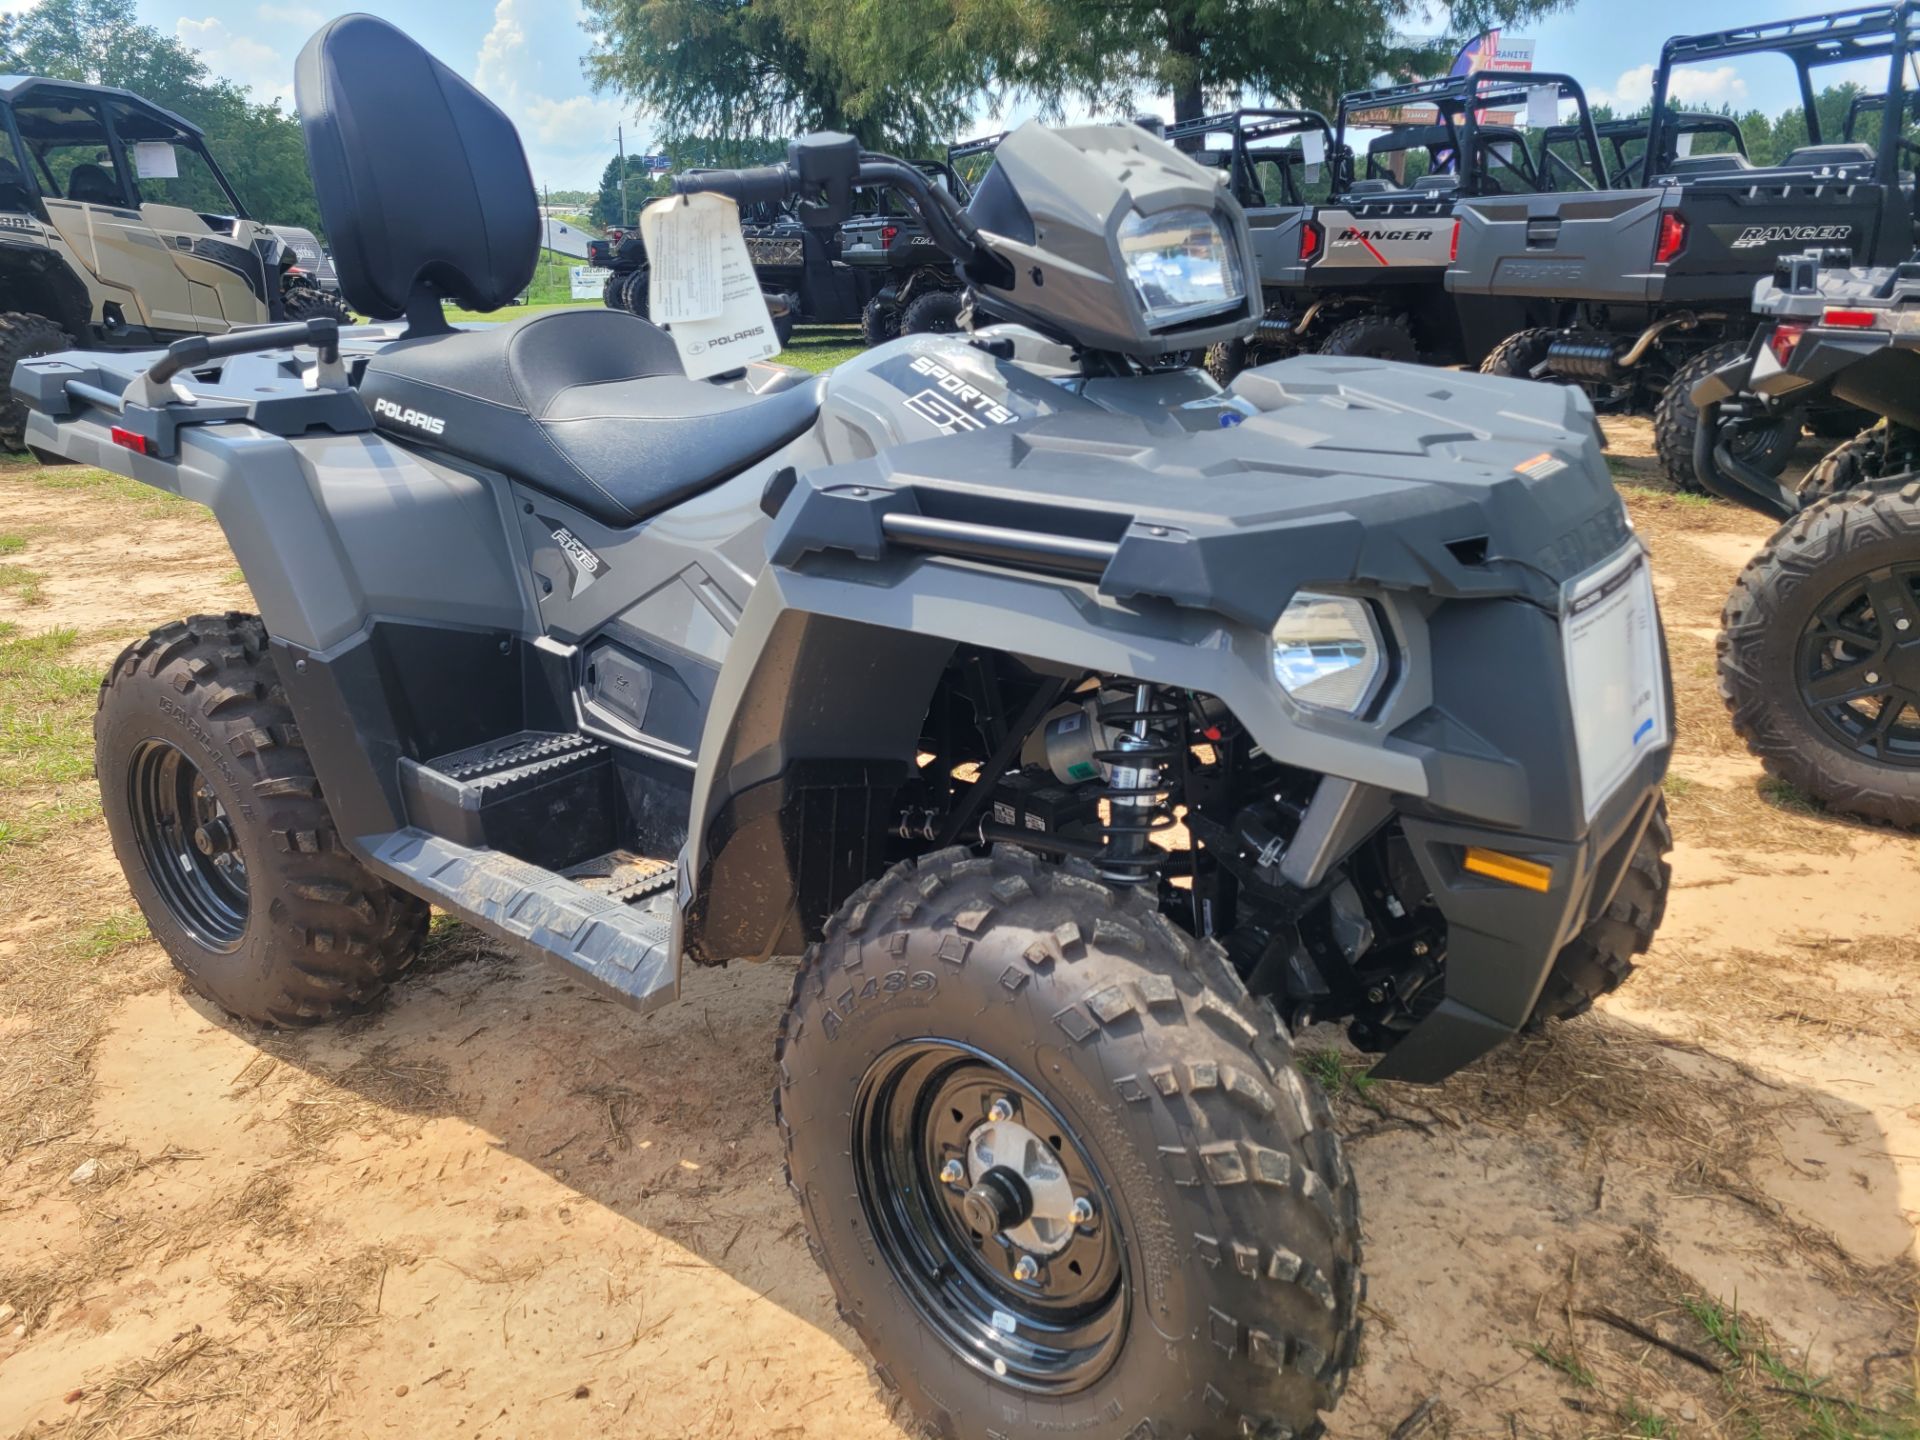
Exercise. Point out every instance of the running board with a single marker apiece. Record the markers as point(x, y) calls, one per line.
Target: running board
point(625, 951)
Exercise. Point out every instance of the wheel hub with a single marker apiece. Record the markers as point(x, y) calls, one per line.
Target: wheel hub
point(1020, 1190)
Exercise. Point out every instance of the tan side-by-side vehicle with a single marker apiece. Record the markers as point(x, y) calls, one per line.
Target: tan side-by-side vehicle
point(118, 231)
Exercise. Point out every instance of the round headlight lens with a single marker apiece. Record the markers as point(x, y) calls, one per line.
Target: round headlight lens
point(1327, 651)
point(1181, 264)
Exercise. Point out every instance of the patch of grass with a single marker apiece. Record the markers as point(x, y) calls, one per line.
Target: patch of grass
point(119, 487)
point(24, 583)
point(1678, 786)
point(235, 576)
point(1654, 495)
point(821, 347)
point(1783, 795)
point(1646, 1423)
point(46, 712)
point(1338, 1074)
point(111, 934)
point(1566, 1362)
point(12, 544)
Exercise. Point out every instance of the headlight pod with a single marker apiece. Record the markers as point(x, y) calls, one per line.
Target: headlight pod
point(1181, 264)
point(1327, 652)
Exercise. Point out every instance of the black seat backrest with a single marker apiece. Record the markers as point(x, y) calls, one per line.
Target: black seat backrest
point(1853, 152)
point(421, 180)
point(90, 184)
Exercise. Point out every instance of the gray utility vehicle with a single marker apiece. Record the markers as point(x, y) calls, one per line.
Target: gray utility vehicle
point(916, 669)
point(1356, 263)
point(919, 290)
point(1819, 652)
point(117, 229)
point(1648, 290)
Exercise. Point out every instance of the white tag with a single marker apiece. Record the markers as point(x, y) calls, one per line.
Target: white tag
point(701, 285)
point(1543, 107)
point(155, 160)
point(1683, 144)
point(1313, 149)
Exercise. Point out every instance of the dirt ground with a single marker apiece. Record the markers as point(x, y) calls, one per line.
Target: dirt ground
point(500, 1207)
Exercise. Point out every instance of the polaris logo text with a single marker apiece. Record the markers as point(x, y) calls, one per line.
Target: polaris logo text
point(1353, 235)
point(419, 420)
point(1754, 236)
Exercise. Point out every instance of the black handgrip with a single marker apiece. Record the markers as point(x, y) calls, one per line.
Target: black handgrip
point(321, 332)
point(755, 185)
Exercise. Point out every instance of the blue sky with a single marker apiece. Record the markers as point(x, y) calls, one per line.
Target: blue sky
point(526, 55)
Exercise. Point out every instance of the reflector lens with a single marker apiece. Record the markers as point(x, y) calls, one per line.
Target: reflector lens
point(1673, 239)
point(1453, 247)
point(1527, 874)
point(887, 232)
point(1851, 319)
point(130, 440)
point(1785, 336)
point(1309, 240)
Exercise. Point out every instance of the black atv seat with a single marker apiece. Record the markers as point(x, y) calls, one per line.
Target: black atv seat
point(589, 406)
point(1807, 157)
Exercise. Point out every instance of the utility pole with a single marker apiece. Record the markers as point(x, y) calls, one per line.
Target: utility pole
point(620, 134)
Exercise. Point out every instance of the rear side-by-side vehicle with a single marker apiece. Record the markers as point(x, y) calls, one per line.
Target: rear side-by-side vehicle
point(1084, 726)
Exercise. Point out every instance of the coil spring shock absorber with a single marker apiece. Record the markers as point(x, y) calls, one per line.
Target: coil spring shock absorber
point(1139, 764)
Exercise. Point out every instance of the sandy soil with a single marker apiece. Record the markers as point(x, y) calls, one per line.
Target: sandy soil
point(500, 1207)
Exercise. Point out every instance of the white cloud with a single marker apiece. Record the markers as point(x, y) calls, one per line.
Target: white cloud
point(300, 17)
point(1697, 85)
point(567, 130)
point(240, 58)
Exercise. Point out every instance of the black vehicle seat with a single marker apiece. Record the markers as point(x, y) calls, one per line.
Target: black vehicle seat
point(1720, 164)
point(1808, 157)
point(92, 184)
point(426, 195)
point(589, 406)
point(1370, 187)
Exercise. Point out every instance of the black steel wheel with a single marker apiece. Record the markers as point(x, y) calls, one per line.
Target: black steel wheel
point(188, 844)
point(1058, 1165)
point(990, 1215)
point(1819, 652)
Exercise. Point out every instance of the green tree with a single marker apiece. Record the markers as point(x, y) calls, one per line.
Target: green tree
point(102, 42)
point(690, 152)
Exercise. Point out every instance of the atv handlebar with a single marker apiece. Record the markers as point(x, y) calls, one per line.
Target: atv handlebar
point(755, 185)
point(322, 332)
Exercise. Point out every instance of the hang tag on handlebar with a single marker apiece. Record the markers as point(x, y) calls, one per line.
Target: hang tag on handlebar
point(702, 287)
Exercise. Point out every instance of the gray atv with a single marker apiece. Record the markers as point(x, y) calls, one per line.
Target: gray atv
point(1084, 727)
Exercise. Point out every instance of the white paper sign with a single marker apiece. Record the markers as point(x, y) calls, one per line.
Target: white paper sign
point(1313, 149)
point(701, 285)
point(1543, 106)
point(589, 282)
point(1611, 633)
point(1683, 144)
point(155, 160)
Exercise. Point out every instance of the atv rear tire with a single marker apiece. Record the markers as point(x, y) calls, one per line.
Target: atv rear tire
point(1675, 421)
point(226, 841)
point(936, 313)
point(613, 293)
point(1599, 959)
point(1221, 1244)
point(1377, 337)
point(1519, 355)
point(1847, 567)
point(21, 337)
point(879, 322)
point(1860, 461)
point(310, 302)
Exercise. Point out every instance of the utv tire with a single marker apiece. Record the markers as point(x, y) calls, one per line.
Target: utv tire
point(1377, 337)
point(1861, 461)
point(1226, 360)
point(310, 302)
point(226, 841)
point(613, 293)
point(1599, 959)
point(937, 313)
point(1848, 566)
point(21, 337)
point(1519, 355)
point(1675, 420)
point(1224, 1225)
point(879, 322)
point(633, 292)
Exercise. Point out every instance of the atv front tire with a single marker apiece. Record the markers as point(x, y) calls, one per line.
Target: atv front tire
point(21, 337)
point(310, 302)
point(1599, 959)
point(1377, 337)
point(879, 322)
point(1518, 356)
point(1675, 421)
point(1817, 671)
point(936, 313)
point(1211, 1282)
point(226, 841)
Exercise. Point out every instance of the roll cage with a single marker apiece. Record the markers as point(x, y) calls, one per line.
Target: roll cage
point(1618, 137)
point(1460, 141)
point(1253, 129)
point(123, 116)
point(1874, 32)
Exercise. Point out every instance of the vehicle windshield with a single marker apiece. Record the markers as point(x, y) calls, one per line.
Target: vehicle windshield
point(170, 164)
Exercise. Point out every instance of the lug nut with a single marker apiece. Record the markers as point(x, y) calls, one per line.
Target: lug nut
point(1001, 1112)
point(1873, 677)
point(1025, 1269)
point(1083, 1211)
point(1902, 624)
point(952, 1173)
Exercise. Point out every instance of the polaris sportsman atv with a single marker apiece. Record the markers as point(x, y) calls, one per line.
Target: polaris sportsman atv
point(1816, 661)
point(1355, 264)
point(1084, 725)
point(1648, 290)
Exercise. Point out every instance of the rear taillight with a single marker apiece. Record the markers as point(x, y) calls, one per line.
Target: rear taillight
point(887, 232)
point(1453, 246)
point(131, 440)
point(1785, 336)
point(1309, 241)
point(1673, 239)
point(1851, 319)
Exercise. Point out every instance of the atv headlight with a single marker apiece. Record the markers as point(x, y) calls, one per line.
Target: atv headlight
point(1327, 652)
point(1181, 264)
